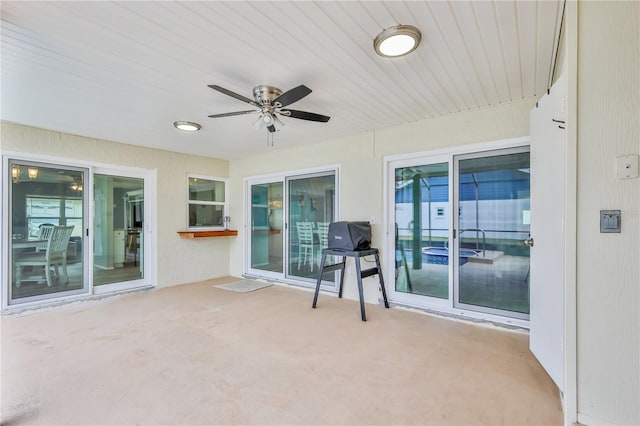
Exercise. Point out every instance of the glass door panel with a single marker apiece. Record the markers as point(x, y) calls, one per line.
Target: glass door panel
point(267, 226)
point(422, 230)
point(118, 237)
point(47, 216)
point(493, 220)
point(311, 207)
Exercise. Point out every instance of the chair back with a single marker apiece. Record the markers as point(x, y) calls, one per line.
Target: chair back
point(305, 233)
point(323, 234)
point(58, 242)
point(45, 231)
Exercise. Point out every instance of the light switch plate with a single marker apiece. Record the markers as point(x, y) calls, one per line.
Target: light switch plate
point(610, 221)
point(627, 166)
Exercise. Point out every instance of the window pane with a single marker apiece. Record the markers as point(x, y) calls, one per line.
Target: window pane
point(51, 196)
point(267, 224)
point(43, 207)
point(493, 221)
point(48, 211)
point(206, 190)
point(311, 208)
point(422, 229)
point(118, 244)
point(205, 215)
point(73, 208)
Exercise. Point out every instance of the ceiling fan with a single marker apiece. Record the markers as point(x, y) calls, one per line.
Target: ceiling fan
point(271, 102)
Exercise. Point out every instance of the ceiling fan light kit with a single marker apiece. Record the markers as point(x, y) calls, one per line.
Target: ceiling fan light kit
point(270, 102)
point(397, 41)
point(266, 120)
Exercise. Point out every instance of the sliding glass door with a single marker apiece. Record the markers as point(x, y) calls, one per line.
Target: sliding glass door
point(56, 250)
point(458, 223)
point(311, 209)
point(288, 219)
point(493, 221)
point(267, 228)
point(422, 229)
point(47, 223)
point(118, 223)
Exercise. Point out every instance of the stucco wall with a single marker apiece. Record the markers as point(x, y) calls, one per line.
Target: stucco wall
point(361, 166)
point(608, 276)
point(179, 260)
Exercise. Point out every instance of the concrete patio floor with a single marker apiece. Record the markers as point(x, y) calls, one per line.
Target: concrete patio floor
point(197, 354)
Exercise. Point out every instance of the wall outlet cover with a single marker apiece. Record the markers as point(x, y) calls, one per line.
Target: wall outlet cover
point(627, 166)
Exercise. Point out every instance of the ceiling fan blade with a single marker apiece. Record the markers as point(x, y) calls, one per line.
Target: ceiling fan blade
point(230, 114)
point(304, 115)
point(232, 94)
point(293, 95)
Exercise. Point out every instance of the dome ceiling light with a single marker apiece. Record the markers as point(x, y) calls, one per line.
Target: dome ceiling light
point(397, 41)
point(187, 126)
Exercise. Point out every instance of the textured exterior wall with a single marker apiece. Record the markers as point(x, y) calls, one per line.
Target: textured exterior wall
point(608, 276)
point(179, 261)
point(361, 160)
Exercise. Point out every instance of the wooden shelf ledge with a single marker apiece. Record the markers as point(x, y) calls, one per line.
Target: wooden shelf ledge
point(204, 234)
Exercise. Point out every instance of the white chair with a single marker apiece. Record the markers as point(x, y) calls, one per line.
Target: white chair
point(323, 238)
point(44, 232)
point(305, 244)
point(54, 255)
point(323, 234)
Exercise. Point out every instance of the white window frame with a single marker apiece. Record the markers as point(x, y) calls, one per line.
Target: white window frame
point(150, 188)
point(150, 253)
point(283, 277)
point(61, 218)
point(445, 306)
point(224, 204)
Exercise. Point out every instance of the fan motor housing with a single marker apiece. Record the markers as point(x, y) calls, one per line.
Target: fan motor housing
point(264, 95)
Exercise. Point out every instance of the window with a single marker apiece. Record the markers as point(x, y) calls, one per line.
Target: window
point(207, 202)
point(53, 211)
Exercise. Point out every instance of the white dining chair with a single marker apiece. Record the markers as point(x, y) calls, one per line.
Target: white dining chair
point(305, 244)
point(44, 232)
point(54, 255)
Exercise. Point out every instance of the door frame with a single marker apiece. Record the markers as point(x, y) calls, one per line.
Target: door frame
point(284, 176)
point(409, 299)
point(248, 270)
point(570, 45)
point(149, 250)
point(443, 306)
point(150, 177)
point(308, 282)
point(456, 246)
point(85, 290)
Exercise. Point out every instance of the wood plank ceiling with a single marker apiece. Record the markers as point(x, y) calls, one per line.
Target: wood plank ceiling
point(125, 71)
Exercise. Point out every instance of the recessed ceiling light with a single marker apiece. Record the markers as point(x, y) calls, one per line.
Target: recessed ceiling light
point(397, 41)
point(187, 126)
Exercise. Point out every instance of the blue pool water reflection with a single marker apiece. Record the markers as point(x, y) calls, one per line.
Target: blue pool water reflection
point(440, 255)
